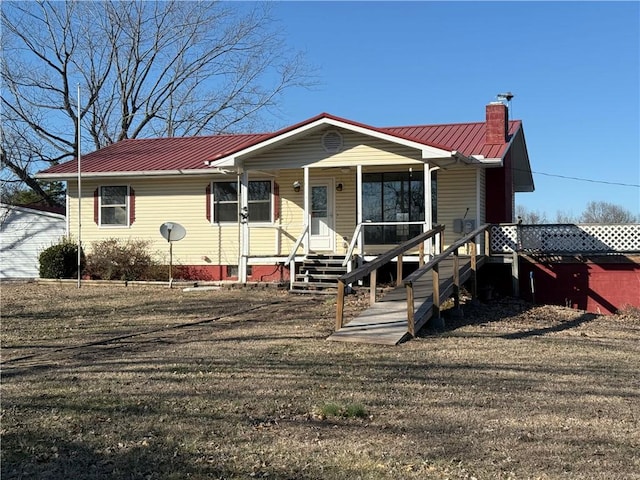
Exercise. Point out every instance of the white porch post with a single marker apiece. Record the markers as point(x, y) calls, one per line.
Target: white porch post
point(428, 207)
point(359, 210)
point(307, 210)
point(244, 221)
point(479, 240)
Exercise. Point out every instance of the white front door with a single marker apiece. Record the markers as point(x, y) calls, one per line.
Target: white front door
point(321, 204)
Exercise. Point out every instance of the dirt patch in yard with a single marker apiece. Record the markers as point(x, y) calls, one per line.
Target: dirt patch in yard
point(152, 383)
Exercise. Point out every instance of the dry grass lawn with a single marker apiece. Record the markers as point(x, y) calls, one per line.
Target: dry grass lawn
point(151, 383)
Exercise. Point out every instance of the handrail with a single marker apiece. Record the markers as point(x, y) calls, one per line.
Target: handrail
point(360, 226)
point(352, 245)
point(434, 266)
point(438, 258)
point(386, 257)
point(380, 260)
point(296, 245)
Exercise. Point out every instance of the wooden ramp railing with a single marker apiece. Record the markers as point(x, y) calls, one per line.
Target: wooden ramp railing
point(435, 235)
point(434, 266)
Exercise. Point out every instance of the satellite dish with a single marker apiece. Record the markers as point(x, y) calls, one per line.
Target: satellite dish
point(172, 232)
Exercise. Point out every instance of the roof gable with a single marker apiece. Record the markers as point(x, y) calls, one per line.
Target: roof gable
point(428, 149)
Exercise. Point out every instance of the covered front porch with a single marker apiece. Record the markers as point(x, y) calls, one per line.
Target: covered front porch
point(356, 212)
point(340, 188)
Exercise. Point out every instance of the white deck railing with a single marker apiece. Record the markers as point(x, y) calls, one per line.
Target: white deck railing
point(291, 259)
point(566, 238)
point(358, 237)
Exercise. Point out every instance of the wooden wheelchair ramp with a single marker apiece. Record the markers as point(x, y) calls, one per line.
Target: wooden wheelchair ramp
point(386, 321)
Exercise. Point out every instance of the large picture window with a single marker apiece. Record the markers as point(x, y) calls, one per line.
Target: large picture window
point(392, 197)
point(225, 201)
point(114, 206)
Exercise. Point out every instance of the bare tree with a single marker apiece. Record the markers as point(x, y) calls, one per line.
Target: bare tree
point(530, 217)
point(595, 212)
point(605, 212)
point(565, 217)
point(145, 69)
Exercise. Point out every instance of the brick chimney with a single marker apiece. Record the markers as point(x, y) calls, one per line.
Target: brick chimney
point(497, 123)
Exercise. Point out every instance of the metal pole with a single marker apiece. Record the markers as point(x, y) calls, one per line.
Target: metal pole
point(170, 261)
point(79, 198)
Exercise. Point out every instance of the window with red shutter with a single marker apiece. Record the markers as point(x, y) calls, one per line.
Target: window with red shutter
point(208, 200)
point(276, 202)
point(96, 206)
point(114, 206)
point(132, 206)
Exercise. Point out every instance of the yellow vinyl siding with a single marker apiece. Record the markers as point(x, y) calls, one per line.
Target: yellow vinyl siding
point(346, 206)
point(158, 201)
point(456, 193)
point(482, 173)
point(291, 209)
point(482, 200)
point(357, 149)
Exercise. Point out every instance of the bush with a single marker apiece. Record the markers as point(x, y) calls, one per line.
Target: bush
point(114, 259)
point(61, 260)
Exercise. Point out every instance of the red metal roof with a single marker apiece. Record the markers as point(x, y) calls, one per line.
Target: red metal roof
point(157, 154)
point(191, 153)
point(466, 138)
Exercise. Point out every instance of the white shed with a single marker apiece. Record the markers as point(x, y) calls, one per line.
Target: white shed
point(24, 233)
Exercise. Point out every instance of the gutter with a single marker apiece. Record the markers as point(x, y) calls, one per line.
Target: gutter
point(137, 173)
point(477, 159)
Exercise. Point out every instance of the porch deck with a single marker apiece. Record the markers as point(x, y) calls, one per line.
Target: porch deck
point(385, 322)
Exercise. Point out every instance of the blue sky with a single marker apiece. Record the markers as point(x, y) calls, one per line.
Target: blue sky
point(574, 68)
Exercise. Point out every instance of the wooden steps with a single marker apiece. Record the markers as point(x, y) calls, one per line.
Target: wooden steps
point(318, 275)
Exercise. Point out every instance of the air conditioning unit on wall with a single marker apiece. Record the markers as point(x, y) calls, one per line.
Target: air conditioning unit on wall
point(464, 225)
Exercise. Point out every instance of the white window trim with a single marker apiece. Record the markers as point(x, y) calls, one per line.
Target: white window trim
point(127, 204)
point(215, 221)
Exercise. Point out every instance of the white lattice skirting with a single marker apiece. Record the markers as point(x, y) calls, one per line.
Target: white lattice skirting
point(566, 238)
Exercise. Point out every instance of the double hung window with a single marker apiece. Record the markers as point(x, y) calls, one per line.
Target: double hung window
point(114, 206)
point(225, 201)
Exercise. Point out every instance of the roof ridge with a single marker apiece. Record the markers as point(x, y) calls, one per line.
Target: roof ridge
point(433, 125)
point(442, 124)
point(189, 137)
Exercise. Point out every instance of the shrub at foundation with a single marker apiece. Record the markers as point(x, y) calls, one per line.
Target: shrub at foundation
point(61, 260)
point(114, 259)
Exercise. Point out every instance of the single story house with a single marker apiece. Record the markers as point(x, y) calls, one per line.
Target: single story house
point(252, 202)
point(24, 234)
